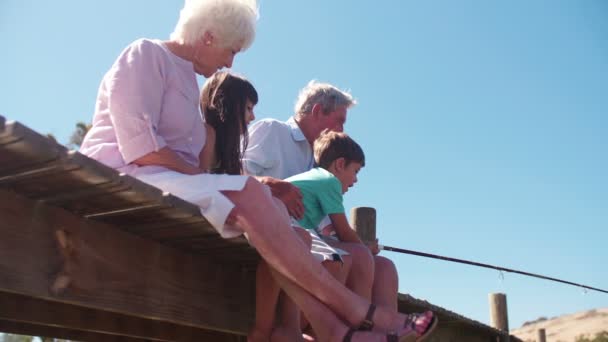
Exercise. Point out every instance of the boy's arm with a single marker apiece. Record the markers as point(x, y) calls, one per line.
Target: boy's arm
point(342, 227)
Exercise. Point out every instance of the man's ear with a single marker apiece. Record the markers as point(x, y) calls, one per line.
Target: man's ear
point(317, 109)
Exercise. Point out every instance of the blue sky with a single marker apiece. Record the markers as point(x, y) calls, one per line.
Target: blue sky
point(483, 122)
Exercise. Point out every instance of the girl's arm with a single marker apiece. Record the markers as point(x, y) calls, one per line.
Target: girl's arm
point(207, 155)
point(343, 230)
point(166, 157)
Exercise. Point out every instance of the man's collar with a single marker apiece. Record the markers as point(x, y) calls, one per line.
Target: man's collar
point(296, 132)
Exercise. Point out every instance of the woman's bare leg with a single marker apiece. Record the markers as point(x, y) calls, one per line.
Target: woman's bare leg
point(328, 327)
point(266, 223)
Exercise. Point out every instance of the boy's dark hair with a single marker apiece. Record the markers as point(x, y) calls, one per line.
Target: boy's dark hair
point(330, 146)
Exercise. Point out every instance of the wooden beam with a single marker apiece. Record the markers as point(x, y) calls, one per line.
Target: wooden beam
point(50, 254)
point(22, 314)
point(54, 332)
point(363, 220)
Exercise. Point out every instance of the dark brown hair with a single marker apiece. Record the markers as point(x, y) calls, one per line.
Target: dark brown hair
point(330, 146)
point(223, 103)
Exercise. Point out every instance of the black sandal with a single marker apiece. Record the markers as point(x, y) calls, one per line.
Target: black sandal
point(368, 324)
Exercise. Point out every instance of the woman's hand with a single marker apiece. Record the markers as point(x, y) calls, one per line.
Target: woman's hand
point(288, 193)
point(166, 157)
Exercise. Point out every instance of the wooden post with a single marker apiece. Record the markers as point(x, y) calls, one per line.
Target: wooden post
point(363, 220)
point(499, 317)
point(541, 335)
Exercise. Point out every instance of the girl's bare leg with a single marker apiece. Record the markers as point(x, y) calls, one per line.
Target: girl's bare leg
point(266, 297)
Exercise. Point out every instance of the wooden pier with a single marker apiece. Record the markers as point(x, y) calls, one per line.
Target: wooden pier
point(88, 254)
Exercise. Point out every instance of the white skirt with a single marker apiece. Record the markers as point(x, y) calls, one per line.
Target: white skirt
point(204, 191)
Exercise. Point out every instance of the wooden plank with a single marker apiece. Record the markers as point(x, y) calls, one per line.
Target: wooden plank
point(30, 159)
point(88, 188)
point(452, 327)
point(48, 253)
point(45, 331)
point(21, 314)
point(26, 148)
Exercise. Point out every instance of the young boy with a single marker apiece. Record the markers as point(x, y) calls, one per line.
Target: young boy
point(339, 158)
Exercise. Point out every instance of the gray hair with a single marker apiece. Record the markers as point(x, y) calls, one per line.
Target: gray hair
point(325, 94)
point(231, 22)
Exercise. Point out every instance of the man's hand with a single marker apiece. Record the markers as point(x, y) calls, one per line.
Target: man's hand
point(288, 193)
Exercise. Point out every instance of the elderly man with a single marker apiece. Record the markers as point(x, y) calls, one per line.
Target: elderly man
point(282, 149)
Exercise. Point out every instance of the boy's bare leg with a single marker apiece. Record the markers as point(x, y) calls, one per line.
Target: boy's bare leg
point(361, 275)
point(266, 223)
point(339, 269)
point(386, 283)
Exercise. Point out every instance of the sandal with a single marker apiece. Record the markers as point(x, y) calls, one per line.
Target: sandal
point(410, 321)
point(368, 324)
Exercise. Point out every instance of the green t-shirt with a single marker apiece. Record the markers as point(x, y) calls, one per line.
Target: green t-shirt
point(321, 195)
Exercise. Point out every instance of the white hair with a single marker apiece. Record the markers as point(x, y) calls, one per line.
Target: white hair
point(325, 94)
point(230, 21)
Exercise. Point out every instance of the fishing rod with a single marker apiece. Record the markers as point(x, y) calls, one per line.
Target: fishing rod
point(473, 263)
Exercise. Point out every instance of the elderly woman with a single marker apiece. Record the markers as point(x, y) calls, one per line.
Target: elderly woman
point(147, 124)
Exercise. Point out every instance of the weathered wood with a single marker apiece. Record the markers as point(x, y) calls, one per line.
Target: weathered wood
point(364, 222)
point(452, 327)
point(21, 314)
point(542, 336)
point(35, 167)
point(43, 331)
point(499, 317)
point(72, 260)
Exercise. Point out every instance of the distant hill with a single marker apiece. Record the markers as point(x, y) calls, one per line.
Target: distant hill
point(565, 328)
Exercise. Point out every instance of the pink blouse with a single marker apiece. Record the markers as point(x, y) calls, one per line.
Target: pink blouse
point(148, 99)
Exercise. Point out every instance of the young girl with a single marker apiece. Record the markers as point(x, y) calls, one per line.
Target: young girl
point(227, 102)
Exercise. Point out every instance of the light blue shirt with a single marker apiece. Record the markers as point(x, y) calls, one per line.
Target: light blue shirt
point(277, 149)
